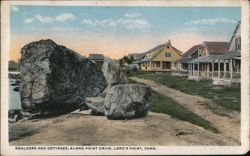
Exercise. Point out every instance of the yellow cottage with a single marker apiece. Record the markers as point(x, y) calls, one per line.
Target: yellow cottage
point(161, 58)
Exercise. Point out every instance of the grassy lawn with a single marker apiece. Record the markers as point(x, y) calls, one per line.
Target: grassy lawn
point(162, 104)
point(228, 97)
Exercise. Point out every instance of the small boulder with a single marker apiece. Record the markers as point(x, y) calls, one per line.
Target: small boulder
point(127, 101)
point(96, 104)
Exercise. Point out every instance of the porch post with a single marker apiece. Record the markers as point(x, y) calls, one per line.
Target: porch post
point(193, 68)
point(208, 69)
point(224, 75)
point(198, 69)
point(212, 68)
point(231, 69)
point(218, 68)
point(189, 69)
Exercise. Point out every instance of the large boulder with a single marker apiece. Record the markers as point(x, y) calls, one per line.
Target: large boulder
point(56, 79)
point(113, 74)
point(127, 101)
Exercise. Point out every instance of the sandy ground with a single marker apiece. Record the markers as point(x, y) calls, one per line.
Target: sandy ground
point(155, 129)
point(228, 126)
point(79, 129)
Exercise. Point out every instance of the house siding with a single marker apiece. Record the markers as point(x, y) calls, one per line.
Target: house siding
point(160, 56)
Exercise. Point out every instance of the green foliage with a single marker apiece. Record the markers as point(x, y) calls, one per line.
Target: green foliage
point(162, 104)
point(228, 97)
point(126, 59)
point(13, 65)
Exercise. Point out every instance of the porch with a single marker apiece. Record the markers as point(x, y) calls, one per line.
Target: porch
point(221, 69)
point(156, 66)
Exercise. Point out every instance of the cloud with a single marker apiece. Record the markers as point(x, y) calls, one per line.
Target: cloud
point(14, 8)
point(65, 16)
point(44, 19)
point(28, 20)
point(103, 23)
point(134, 23)
point(128, 23)
point(132, 15)
point(211, 21)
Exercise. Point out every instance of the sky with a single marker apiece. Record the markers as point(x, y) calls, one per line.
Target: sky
point(117, 31)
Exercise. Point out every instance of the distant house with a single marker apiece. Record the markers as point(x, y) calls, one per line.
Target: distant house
point(98, 59)
point(218, 61)
point(182, 63)
point(159, 58)
point(202, 58)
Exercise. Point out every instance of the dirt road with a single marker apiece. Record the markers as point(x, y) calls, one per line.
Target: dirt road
point(229, 126)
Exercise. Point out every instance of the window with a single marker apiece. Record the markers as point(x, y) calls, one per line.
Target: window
point(167, 54)
point(238, 43)
point(158, 63)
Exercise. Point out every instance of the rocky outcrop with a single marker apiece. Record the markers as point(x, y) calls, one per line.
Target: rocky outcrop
point(112, 74)
point(127, 101)
point(56, 79)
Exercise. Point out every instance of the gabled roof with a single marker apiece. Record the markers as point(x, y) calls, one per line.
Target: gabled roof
point(235, 30)
point(138, 56)
point(157, 51)
point(154, 50)
point(191, 50)
point(96, 57)
point(216, 47)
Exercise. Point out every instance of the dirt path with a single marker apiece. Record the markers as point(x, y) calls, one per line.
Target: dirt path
point(80, 129)
point(227, 126)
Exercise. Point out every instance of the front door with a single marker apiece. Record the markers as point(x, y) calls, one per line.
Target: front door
point(166, 65)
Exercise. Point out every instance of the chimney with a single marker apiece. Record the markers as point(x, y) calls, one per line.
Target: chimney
point(169, 42)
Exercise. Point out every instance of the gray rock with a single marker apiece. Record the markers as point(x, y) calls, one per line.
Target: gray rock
point(56, 79)
point(127, 101)
point(15, 115)
point(113, 74)
point(96, 104)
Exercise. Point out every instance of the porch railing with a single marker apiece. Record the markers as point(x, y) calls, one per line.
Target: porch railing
point(215, 74)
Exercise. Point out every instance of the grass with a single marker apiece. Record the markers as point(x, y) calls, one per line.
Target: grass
point(228, 97)
point(162, 104)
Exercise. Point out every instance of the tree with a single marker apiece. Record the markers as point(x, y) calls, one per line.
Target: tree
point(126, 59)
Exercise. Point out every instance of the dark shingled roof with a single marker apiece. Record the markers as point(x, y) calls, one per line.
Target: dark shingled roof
point(191, 50)
point(153, 49)
point(138, 56)
point(96, 57)
point(216, 47)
